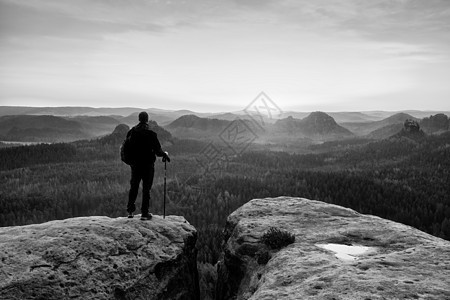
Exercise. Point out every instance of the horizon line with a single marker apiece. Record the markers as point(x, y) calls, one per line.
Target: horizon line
point(218, 112)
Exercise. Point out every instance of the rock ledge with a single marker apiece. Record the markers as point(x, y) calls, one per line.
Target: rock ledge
point(100, 258)
point(405, 263)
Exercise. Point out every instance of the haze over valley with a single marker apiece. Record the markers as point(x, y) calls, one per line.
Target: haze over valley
point(63, 124)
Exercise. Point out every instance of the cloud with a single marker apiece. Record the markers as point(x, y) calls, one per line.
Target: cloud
point(18, 20)
point(223, 49)
point(412, 21)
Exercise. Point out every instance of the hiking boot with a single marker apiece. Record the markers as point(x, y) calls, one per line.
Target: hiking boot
point(146, 217)
point(130, 215)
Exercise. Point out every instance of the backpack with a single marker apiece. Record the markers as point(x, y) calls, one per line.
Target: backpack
point(127, 149)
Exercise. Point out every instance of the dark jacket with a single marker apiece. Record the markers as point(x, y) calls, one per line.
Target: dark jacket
point(146, 145)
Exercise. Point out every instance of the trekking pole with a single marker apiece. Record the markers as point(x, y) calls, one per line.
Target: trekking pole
point(165, 174)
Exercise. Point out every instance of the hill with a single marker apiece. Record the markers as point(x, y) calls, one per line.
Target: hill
point(226, 116)
point(343, 117)
point(339, 117)
point(31, 128)
point(234, 116)
point(317, 126)
point(132, 119)
point(423, 114)
point(96, 125)
point(66, 110)
point(40, 128)
point(385, 132)
point(121, 130)
point(192, 126)
point(435, 124)
point(45, 128)
point(195, 122)
point(365, 128)
point(322, 125)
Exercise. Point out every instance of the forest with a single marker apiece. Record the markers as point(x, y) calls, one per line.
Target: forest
point(400, 179)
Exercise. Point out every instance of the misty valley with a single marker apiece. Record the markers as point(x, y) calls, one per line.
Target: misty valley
point(392, 165)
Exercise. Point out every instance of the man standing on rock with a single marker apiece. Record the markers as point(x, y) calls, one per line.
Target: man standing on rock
point(146, 147)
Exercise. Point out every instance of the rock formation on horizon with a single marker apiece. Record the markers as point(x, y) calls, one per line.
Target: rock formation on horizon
point(399, 262)
point(411, 126)
point(411, 130)
point(100, 258)
point(117, 136)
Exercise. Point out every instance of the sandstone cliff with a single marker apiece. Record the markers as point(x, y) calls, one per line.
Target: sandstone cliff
point(397, 261)
point(99, 258)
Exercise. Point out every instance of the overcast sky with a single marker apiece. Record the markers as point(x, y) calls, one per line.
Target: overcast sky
point(218, 55)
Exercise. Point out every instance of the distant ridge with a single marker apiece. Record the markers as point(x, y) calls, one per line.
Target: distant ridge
point(66, 111)
point(121, 130)
point(132, 119)
point(385, 132)
point(40, 128)
point(47, 128)
point(366, 128)
point(435, 124)
point(195, 122)
point(90, 122)
point(192, 126)
point(339, 116)
point(317, 125)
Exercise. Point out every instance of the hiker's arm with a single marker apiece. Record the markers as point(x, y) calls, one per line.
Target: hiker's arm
point(158, 151)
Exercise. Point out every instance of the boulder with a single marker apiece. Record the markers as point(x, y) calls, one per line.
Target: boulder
point(337, 254)
point(100, 258)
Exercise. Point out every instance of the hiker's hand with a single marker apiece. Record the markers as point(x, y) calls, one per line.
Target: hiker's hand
point(166, 157)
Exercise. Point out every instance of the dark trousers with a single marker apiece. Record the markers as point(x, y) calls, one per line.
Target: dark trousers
point(145, 173)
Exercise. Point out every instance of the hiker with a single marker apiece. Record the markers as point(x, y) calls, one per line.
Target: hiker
point(146, 147)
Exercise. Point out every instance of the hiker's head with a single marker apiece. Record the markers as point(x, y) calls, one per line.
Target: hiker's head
point(143, 117)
